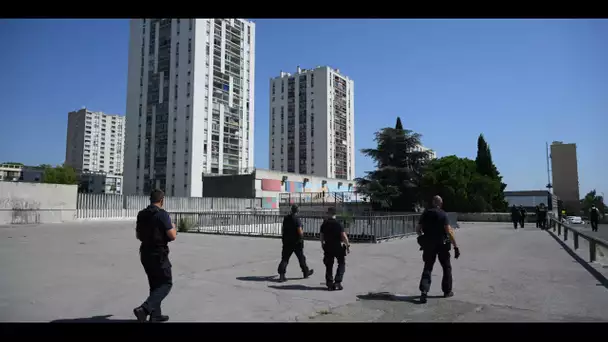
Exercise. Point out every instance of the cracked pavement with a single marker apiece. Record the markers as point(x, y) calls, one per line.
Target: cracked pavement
point(75, 271)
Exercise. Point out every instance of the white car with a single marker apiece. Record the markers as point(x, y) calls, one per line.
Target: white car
point(574, 220)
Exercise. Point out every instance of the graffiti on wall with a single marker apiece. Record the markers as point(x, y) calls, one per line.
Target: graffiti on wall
point(23, 211)
point(270, 203)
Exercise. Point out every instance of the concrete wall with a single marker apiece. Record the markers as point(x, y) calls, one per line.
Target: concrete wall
point(31, 203)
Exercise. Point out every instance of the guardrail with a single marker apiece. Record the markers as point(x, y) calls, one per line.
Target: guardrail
point(358, 229)
point(593, 241)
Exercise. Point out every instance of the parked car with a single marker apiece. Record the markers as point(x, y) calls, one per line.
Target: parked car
point(574, 220)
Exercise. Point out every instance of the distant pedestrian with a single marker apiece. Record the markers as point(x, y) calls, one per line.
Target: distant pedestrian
point(293, 242)
point(154, 229)
point(515, 214)
point(537, 213)
point(335, 245)
point(594, 217)
point(541, 217)
point(436, 237)
point(522, 215)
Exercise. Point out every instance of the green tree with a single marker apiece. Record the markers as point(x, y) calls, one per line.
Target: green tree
point(61, 174)
point(486, 167)
point(590, 199)
point(457, 181)
point(398, 125)
point(394, 184)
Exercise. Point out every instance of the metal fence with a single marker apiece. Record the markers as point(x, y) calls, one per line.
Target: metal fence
point(321, 198)
point(104, 206)
point(358, 229)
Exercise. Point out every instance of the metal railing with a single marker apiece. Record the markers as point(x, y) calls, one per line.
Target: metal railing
point(104, 206)
point(358, 229)
point(577, 234)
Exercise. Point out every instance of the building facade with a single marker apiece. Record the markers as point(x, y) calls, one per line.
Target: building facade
point(312, 123)
point(190, 103)
point(431, 154)
point(275, 188)
point(564, 166)
point(20, 173)
point(95, 142)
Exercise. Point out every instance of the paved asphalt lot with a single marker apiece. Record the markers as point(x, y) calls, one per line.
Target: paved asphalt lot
point(91, 272)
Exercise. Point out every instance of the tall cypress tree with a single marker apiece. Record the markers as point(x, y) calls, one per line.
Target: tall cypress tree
point(486, 167)
point(398, 125)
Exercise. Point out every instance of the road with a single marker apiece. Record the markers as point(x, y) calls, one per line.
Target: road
point(91, 272)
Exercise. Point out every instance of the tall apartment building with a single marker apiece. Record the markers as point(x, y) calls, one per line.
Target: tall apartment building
point(190, 103)
point(95, 142)
point(564, 165)
point(312, 123)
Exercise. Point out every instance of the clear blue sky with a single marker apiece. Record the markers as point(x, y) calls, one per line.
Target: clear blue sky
point(520, 82)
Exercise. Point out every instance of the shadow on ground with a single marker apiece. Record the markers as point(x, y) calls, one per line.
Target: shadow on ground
point(387, 296)
point(272, 279)
point(595, 273)
point(298, 287)
point(95, 319)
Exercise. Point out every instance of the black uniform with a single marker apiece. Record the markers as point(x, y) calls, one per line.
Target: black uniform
point(542, 217)
point(522, 216)
point(292, 243)
point(515, 214)
point(333, 249)
point(152, 226)
point(594, 217)
point(435, 244)
point(537, 212)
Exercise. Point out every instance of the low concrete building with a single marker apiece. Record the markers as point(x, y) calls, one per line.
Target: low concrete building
point(100, 183)
point(271, 186)
point(529, 199)
point(20, 173)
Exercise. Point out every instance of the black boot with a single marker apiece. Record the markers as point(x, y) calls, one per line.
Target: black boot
point(338, 287)
point(423, 296)
point(308, 273)
point(282, 278)
point(140, 313)
point(159, 318)
point(448, 294)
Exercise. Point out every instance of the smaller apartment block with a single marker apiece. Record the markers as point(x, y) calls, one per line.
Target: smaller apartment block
point(312, 123)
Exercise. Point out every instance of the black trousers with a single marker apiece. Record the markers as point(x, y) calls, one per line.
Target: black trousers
point(429, 255)
point(160, 279)
point(594, 225)
point(288, 250)
point(331, 253)
point(543, 222)
point(522, 221)
point(515, 222)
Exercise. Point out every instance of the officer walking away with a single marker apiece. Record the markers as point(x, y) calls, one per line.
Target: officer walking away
point(522, 215)
point(537, 212)
point(436, 237)
point(515, 213)
point(594, 217)
point(541, 217)
point(154, 229)
point(335, 245)
point(293, 242)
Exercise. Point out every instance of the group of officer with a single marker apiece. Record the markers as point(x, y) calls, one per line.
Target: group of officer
point(519, 213)
point(155, 230)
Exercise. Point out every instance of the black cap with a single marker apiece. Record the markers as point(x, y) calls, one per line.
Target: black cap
point(294, 209)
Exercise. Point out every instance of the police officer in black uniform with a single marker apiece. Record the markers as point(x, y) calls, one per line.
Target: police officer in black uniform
point(522, 215)
point(293, 242)
point(436, 237)
point(515, 213)
point(335, 245)
point(154, 230)
point(594, 217)
point(542, 216)
point(537, 212)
